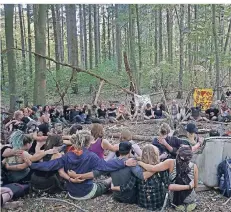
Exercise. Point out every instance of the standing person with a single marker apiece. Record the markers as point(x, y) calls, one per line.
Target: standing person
point(183, 177)
point(99, 144)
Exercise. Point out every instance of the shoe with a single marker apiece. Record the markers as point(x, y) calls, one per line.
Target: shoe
point(191, 207)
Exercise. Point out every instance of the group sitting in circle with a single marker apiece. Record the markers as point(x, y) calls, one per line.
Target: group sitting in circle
point(48, 149)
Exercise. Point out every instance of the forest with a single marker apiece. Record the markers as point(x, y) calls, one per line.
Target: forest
point(51, 53)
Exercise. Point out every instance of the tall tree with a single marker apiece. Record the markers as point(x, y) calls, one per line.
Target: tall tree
point(62, 34)
point(3, 80)
point(189, 40)
point(9, 32)
point(29, 38)
point(156, 38)
point(69, 33)
point(132, 41)
point(108, 33)
point(217, 63)
point(160, 34)
point(98, 31)
point(48, 38)
point(118, 39)
point(85, 36)
point(40, 48)
point(25, 97)
point(96, 38)
point(57, 52)
point(170, 35)
point(181, 28)
point(113, 30)
point(81, 35)
point(103, 35)
point(90, 37)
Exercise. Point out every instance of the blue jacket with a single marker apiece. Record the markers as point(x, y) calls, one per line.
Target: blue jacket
point(84, 163)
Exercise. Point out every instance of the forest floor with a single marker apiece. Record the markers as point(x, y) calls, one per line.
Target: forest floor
point(209, 200)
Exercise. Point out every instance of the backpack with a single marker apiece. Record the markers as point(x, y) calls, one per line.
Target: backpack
point(224, 177)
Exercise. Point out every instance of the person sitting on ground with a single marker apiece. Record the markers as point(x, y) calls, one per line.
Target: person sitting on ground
point(99, 144)
point(81, 160)
point(158, 111)
point(16, 123)
point(50, 182)
point(78, 115)
point(94, 115)
point(26, 115)
point(102, 112)
point(212, 113)
point(148, 112)
point(123, 113)
point(88, 114)
point(139, 113)
point(125, 136)
point(151, 192)
point(111, 113)
point(183, 177)
point(46, 112)
point(196, 113)
point(119, 177)
point(225, 113)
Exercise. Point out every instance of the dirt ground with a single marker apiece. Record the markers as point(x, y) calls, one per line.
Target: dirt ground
point(209, 200)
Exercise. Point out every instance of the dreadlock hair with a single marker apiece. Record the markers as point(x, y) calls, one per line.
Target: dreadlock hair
point(18, 139)
point(184, 155)
point(81, 139)
point(150, 155)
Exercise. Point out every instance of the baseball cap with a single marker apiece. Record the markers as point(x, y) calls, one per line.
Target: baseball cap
point(125, 147)
point(191, 128)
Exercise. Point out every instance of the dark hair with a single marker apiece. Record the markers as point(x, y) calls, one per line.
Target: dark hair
point(44, 108)
point(26, 140)
point(148, 105)
point(53, 141)
point(74, 128)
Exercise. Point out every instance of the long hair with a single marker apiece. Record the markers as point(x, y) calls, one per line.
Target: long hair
point(97, 131)
point(18, 139)
point(81, 139)
point(164, 129)
point(150, 155)
point(53, 141)
point(184, 155)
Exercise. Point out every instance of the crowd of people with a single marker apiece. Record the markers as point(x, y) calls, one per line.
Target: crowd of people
point(47, 150)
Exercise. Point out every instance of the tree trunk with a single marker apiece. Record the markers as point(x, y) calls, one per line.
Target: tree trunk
point(62, 36)
point(59, 33)
point(169, 32)
point(103, 36)
point(85, 36)
point(96, 36)
point(81, 35)
point(25, 97)
point(113, 30)
point(90, 38)
point(227, 37)
point(29, 40)
point(108, 33)
point(2, 70)
point(217, 63)
point(40, 47)
point(98, 30)
point(160, 35)
point(57, 53)
point(156, 39)
point(48, 38)
point(118, 40)
point(196, 42)
point(11, 62)
point(139, 48)
point(181, 28)
point(69, 32)
point(189, 42)
point(132, 42)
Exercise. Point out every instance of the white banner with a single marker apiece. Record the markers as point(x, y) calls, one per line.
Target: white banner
point(145, 99)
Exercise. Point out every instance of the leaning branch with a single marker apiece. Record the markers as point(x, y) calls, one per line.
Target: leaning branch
point(77, 69)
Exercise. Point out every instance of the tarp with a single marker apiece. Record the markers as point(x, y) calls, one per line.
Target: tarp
point(203, 96)
point(145, 99)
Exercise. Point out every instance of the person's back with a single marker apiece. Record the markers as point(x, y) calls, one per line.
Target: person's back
point(97, 148)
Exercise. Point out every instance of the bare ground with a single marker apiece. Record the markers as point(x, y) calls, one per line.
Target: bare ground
point(209, 200)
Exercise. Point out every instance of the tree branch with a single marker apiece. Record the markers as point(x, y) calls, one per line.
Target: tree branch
point(77, 69)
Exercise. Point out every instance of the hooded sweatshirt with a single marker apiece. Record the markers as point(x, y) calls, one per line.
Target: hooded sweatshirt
point(86, 162)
